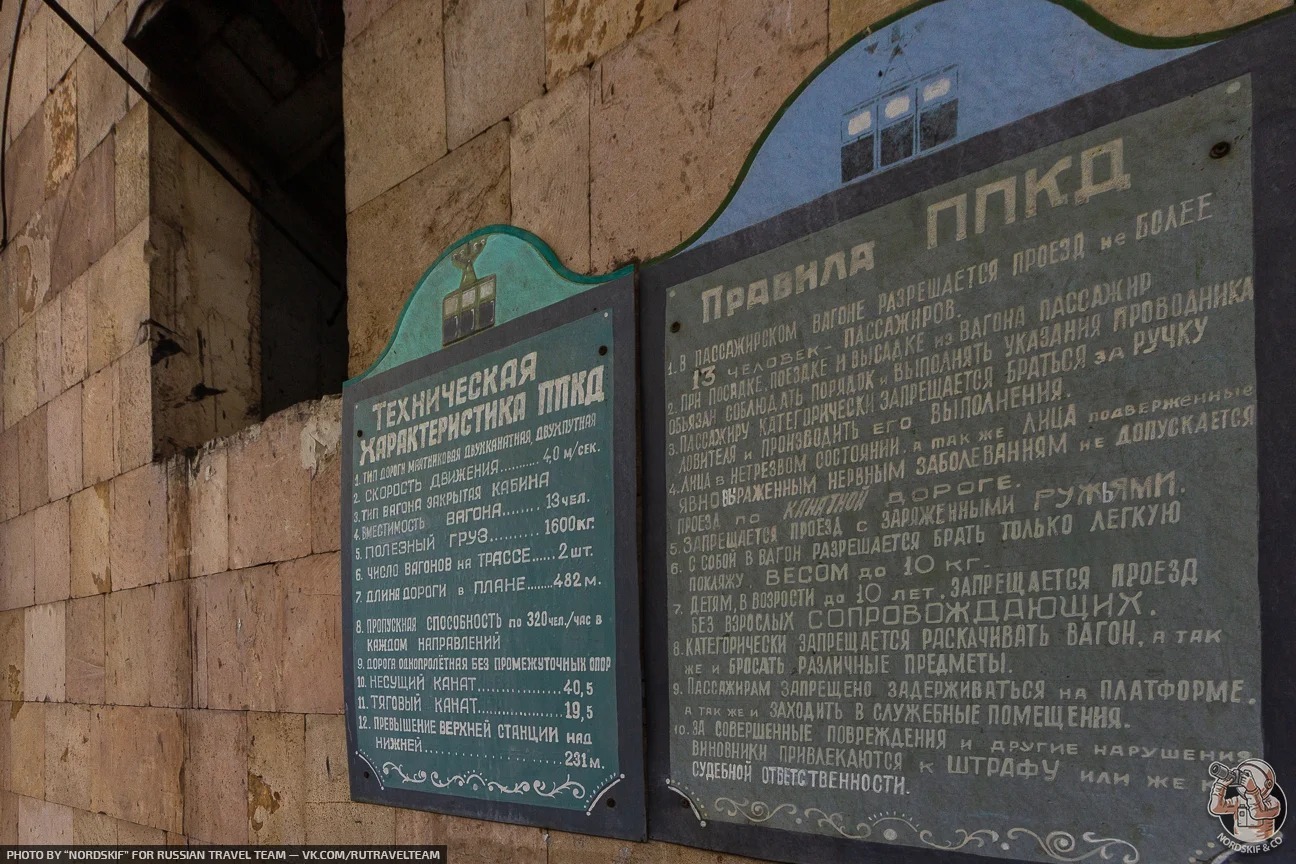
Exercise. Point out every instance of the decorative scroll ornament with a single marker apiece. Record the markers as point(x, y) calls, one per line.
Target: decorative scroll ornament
point(476, 781)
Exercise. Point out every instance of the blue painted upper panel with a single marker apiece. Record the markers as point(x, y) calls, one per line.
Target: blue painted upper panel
point(944, 73)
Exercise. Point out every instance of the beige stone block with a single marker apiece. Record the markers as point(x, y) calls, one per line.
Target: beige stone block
point(71, 752)
point(101, 96)
point(312, 635)
point(99, 427)
point(126, 647)
point(43, 823)
point(359, 14)
point(209, 513)
point(8, 819)
point(134, 401)
point(64, 44)
point(671, 100)
point(49, 351)
point(495, 63)
point(393, 98)
point(85, 650)
point(131, 151)
point(1185, 19)
point(61, 133)
point(579, 849)
point(73, 327)
point(93, 829)
point(132, 834)
point(269, 493)
point(9, 471)
point(472, 186)
point(27, 745)
point(578, 32)
point(847, 18)
point(89, 518)
point(51, 552)
point(177, 472)
point(237, 641)
point(474, 841)
point(6, 741)
point(30, 82)
point(362, 824)
point(13, 640)
point(88, 225)
point(138, 527)
point(326, 504)
point(33, 458)
point(63, 443)
point(117, 299)
point(216, 777)
point(17, 564)
point(276, 778)
point(20, 373)
point(326, 759)
point(45, 675)
point(549, 164)
point(141, 758)
point(170, 673)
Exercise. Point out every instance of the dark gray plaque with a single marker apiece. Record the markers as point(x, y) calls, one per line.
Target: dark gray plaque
point(960, 502)
point(491, 600)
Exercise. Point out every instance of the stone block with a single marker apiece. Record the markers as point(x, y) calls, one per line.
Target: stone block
point(117, 299)
point(63, 443)
point(1185, 19)
point(846, 18)
point(475, 841)
point(138, 527)
point(326, 759)
point(312, 635)
point(216, 777)
point(132, 382)
point(33, 471)
point(30, 85)
point(101, 93)
point(393, 98)
point(170, 672)
point(131, 184)
point(20, 373)
point(579, 849)
point(93, 829)
point(578, 32)
point(131, 834)
point(43, 823)
point(64, 44)
point(177, 473)
point(126, 647)
point(61, 133)
point(85, 650)
point(98, 428)
point(549, 164)
point(361, 824)
point(141, 765)
point(276, 778)
point(9, 471)
point(88, 225)
point(71, 751)
point(8, 819)
point(89, 518)
point(471, 185)
point(13, 641)
point(359, 14)
point(73, 328)
point(494, 61)
point(17, 563)
point(51, 552)
point(671, 100)
point(326, 504)
point(269, 493)
point(27, 744)
point(225, 620)
point(49, 351)
point(45, 672)
point(209, 513)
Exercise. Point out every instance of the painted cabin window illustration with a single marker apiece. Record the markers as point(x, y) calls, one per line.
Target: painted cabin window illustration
point(917, 117)
point(470, 308)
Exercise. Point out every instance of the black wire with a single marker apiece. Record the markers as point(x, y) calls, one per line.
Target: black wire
point(4, 125)
point(189, 139)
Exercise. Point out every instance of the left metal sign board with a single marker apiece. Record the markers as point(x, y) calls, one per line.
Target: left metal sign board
point(489, 541)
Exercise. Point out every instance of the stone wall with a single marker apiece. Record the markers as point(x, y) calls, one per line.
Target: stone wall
point(170, 659)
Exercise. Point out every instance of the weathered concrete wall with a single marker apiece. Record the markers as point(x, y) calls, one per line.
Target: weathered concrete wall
point(170, 659)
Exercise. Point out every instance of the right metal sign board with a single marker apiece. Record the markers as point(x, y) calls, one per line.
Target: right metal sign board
point(958, 499)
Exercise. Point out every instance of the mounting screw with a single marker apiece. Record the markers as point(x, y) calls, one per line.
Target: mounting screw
point(1220, 150)
point(675, 327)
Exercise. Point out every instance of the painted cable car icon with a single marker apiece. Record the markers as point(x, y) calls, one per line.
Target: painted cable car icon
point(913, 118)
point(470, 308)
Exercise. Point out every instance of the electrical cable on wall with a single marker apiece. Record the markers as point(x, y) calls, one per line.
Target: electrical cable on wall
point(172, 121)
